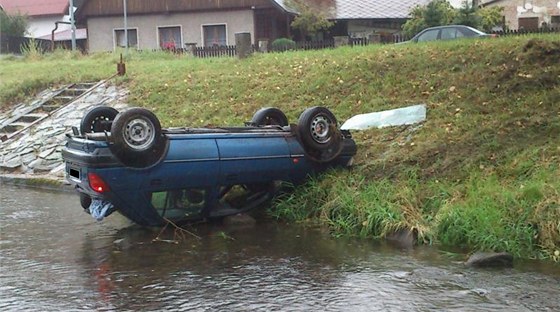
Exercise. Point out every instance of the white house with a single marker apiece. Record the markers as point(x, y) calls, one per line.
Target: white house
point(42, 14)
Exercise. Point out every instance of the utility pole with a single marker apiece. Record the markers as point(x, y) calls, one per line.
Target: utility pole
point(72, 25)
point(125, 29)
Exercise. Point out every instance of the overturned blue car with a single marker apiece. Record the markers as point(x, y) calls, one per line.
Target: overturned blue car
point(125, 162)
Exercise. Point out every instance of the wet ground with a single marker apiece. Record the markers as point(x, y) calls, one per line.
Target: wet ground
point(54, 257)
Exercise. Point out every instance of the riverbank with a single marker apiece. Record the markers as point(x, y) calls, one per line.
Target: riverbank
point(481, 173)
point(46, 181)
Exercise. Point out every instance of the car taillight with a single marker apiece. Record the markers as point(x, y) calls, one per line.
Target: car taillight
point(97, 184)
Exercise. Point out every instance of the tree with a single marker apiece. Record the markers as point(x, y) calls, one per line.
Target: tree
point(416, 23)
point(435, 13)
point(439, 12)
point(13, 25)
point(491, 17)
point(467, 15)
point(310, 20)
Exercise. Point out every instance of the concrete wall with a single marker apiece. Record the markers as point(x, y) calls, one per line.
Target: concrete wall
point(516, 9)
point(101, 29)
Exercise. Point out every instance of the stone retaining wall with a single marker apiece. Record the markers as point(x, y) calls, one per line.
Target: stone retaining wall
point(37, 151)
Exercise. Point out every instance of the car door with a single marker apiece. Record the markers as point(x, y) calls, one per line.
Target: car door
point(428, 35)
point(257, 158)
point(450, 33)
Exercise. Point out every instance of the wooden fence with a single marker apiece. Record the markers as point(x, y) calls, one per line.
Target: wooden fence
point(216, 51)
point(396, 38)
point(231, 50)
point(356, 42)
point(524, 32)
point(14, 45)
point(314, 45)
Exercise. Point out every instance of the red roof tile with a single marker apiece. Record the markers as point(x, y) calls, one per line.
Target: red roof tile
point(35, 7)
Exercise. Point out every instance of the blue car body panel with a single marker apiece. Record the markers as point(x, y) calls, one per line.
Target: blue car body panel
point(204, 160)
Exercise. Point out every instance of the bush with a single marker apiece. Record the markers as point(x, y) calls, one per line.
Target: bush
point(283, 44)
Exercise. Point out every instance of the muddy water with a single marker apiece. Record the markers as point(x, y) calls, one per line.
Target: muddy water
point(56, 258)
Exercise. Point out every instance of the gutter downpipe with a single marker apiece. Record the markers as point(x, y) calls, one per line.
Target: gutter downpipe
point(125, 29)
point(54, 30)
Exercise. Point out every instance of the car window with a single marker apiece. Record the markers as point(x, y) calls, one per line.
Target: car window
point(449, 33)
point(429, 35)
point(179, 203)
point(466, 32)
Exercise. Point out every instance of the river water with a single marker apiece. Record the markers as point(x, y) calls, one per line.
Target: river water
point(54, 257)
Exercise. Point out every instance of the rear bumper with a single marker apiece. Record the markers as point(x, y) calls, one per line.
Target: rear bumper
point(83, 152)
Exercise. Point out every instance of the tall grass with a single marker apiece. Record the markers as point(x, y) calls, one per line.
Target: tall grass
point(484, 212)
point(32, 50)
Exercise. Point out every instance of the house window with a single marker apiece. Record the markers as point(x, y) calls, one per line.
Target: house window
point(132, 38)
point(214, 35)
point(170, 37)
point(555, 19)
point(529, 23)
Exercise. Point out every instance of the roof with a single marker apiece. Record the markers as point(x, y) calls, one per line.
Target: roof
point(35, 7)
point(360, 9)
point(66, 35)
point(94, 8)
point(484, 3)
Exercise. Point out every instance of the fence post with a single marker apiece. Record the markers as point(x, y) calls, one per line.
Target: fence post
point(341, 41)
point(191, 48)
point(263, 45)
point(243, 44)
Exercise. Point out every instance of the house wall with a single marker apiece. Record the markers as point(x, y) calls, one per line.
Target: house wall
point(101, 38)
point(544, 10)
point(40, 26)
point(368, 28)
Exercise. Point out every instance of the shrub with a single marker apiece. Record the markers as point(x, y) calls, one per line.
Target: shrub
point(283, 44)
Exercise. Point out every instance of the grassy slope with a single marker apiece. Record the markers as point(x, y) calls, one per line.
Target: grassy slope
point(21, 77)
point(482, 172)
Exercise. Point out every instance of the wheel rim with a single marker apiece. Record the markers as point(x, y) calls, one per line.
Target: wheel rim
point(97, 123)
point(139, 133)
point(320, 130)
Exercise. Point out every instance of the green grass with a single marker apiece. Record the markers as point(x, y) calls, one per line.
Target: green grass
point(482, 171)
point(21, 78)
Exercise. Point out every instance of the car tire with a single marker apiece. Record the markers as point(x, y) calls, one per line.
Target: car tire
point(98, 119)
point(319, 134)
point(137, 139)
point(269, 116)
